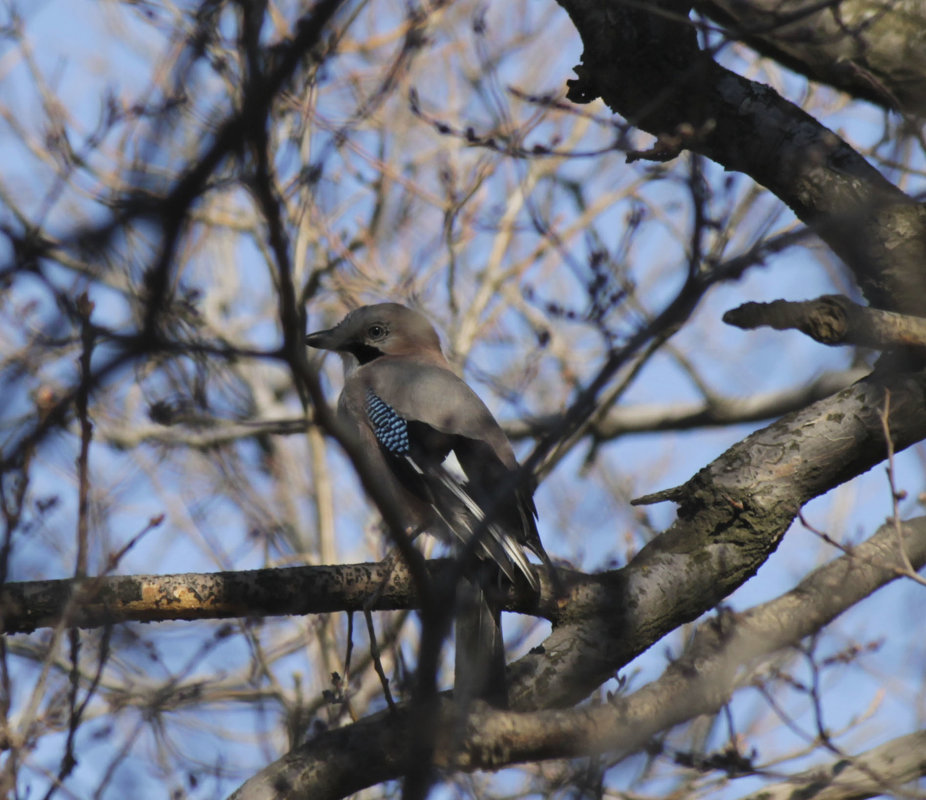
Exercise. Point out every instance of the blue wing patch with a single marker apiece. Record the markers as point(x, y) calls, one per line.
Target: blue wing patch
point(449, 498)
point(389, 427)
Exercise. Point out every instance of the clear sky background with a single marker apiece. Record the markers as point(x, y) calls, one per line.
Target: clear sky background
point(87, 51)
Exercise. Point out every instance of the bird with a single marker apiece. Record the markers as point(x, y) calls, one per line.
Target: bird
point(411, 414)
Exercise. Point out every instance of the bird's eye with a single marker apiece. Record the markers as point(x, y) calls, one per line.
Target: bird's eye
point(376, 331)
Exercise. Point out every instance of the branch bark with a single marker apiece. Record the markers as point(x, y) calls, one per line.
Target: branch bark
point(732, 516)
point(879, 771)
point(834, 319)
point(643, 60)
point(724, 656)
point(869, 49)
point(100, 601)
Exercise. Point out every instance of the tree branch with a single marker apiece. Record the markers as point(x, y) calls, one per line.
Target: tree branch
point(834, 319)
point(866, 48)
point(879, 771)
point(700, 682)
point(644, 61)
point(732, 515)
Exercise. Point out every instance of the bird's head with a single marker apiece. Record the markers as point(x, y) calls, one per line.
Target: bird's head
point(386, 329)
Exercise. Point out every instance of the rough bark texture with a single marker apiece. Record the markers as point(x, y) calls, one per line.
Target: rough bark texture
point(870, 49)
point(722, 657)
point(732, 515)
point(834, 319)
point(220, 595)
point(877, 772)
point(647, 67)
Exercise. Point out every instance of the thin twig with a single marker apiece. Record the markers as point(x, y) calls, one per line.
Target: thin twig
point(377, 663)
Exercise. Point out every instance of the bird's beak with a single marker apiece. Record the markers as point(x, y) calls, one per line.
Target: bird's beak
point(324, 340)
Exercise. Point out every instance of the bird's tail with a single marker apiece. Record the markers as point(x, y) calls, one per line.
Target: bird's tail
point(479, 666)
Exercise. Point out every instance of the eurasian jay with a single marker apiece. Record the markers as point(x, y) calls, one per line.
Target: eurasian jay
point(409, 411)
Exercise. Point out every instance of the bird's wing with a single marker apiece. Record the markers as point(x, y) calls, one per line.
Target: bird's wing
point(419, 413)
point(437, 397)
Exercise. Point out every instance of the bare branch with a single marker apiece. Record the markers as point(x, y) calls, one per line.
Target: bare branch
point(662, 80)
point(880, 771)
point(722, 657)
point(834, 319)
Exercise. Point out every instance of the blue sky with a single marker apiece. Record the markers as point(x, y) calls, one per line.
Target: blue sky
point(86, 49)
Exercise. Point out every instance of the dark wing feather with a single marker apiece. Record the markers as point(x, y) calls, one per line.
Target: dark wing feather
point(416, 451)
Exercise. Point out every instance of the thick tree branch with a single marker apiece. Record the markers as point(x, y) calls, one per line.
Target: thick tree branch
point(385, 586)
point(29, 605)
point(867, 48)
point(723, 656)
point(643, 60)
point(732, 516)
